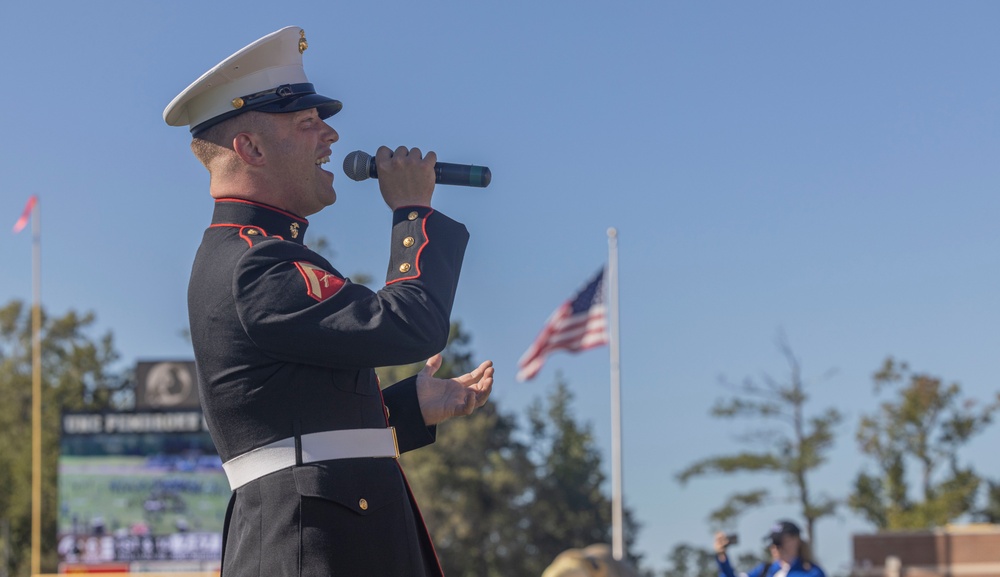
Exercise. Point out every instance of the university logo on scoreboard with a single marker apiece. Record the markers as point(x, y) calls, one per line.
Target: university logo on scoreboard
point(166, 385)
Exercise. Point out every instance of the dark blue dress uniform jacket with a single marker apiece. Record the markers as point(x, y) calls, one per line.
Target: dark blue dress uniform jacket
point(285, 346)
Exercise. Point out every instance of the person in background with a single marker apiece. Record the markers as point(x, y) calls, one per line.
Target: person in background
point(791, 556)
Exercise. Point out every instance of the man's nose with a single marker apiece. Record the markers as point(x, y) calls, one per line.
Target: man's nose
point(332, 136)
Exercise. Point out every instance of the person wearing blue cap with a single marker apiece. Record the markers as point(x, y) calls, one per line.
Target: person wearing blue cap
point(285, 344)
point(791, 555)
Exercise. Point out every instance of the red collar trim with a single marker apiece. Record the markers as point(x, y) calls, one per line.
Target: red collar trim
point(261, 205)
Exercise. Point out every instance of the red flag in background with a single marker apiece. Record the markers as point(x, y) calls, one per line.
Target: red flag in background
point(23, 221)
point(578, 324)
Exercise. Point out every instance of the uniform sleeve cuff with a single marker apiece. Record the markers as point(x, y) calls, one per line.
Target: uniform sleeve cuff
point(404, 414)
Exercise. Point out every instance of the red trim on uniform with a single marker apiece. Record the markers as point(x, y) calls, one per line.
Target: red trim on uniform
point(385, 409)
point(261, 205)
point(409, 491)
point(416, 262)
point(242, 227)
point(420, 516)
point(246, 237)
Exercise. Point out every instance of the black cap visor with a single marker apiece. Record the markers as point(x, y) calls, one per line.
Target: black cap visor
point(285, 98)
point(326, 107)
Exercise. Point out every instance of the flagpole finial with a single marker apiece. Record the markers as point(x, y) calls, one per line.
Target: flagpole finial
point(612, 232)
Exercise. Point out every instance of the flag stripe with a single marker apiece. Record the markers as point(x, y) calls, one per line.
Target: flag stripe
point(578, 324)
point(576, 332)
point(23, 221)
point(578, 338)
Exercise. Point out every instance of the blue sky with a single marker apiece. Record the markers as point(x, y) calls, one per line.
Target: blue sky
point(825, 169)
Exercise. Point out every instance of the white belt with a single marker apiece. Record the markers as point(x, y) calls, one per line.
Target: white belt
point(343, 444)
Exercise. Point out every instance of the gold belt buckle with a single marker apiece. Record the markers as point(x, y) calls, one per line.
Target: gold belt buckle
point(395, 444)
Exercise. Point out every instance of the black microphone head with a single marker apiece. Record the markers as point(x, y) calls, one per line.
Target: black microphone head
point(356, 165)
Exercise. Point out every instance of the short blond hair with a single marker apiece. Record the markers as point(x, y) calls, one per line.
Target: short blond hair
point(214, 146)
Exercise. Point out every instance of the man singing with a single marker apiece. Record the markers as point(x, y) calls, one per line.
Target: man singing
point(285, 344)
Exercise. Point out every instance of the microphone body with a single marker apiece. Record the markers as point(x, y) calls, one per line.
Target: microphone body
point(360, 165)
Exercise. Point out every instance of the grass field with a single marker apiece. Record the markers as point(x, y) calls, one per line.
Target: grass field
point(141, 495)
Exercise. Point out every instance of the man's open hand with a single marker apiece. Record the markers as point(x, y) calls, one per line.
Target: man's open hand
point(442, 399)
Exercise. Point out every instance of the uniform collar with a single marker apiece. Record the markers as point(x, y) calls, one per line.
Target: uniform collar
point(272, 221)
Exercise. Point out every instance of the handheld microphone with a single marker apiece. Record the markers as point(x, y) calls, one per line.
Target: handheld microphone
point(360, 165)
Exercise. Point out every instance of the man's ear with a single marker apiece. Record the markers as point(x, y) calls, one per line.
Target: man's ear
point(247, 147)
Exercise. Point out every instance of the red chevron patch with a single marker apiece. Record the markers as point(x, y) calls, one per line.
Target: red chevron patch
point(320, 284)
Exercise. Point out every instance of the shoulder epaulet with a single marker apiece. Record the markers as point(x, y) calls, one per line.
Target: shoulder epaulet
point(254, 234)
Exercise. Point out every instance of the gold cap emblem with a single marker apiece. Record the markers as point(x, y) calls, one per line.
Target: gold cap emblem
point(294, 229)
point(237, 102)
point(302, 41)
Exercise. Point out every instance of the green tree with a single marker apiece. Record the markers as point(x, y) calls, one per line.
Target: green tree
point(499, 501)
point(991, 512)
point(472, 482)
point(690, 561)
point(796, 446)
point(76, 375)
point(471, 485)
point(925, 423)
point(569, 509)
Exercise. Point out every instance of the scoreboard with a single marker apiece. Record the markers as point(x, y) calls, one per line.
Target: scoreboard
point(140, 491)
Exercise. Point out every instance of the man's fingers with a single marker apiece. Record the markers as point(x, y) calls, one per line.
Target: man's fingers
point(485, 390)
point(460, 395)
point(476, 374)
point(483, 387)
point(432, 365)
point(402, 153)
point(485, 381)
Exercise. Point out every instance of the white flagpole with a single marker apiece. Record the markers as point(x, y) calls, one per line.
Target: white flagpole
point(36, 392)
point(617, 532)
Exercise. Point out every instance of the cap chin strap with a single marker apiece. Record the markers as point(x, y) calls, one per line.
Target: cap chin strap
point(256, 100)
point(276, 99)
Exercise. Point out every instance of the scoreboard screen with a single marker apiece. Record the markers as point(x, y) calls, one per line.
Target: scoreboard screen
point(140, 490)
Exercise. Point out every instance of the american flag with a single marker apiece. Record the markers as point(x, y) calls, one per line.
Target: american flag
point(578, 324)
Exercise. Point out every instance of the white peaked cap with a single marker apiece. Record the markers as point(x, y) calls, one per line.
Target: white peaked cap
point(266, 75)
